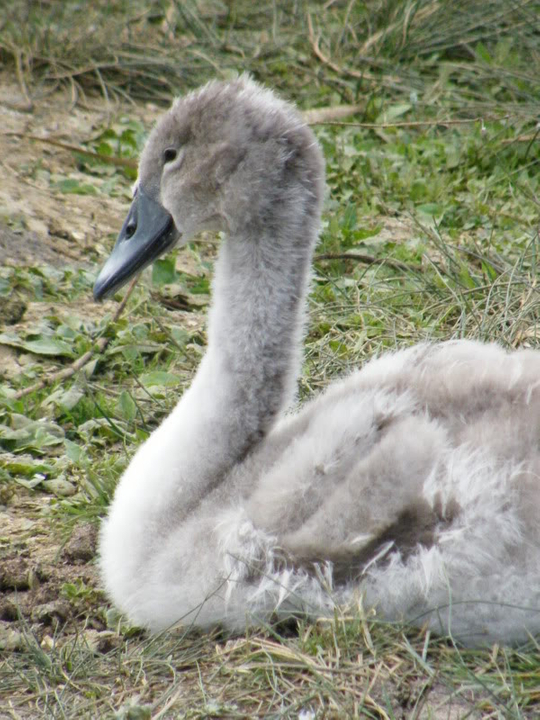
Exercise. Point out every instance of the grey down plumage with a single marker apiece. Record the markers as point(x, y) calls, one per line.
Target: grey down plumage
point(411, 486)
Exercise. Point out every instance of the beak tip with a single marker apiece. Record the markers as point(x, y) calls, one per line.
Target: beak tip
point(103, 286)
point(147, 233)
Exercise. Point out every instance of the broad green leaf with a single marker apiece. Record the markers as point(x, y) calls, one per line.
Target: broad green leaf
point(393, 112)
point(32, 483)
point(489, 270)
point(74, 187)
point(163, 271)
point(466, 277)
point(180, 336)
point(27, 434)
point(126, 406)
point(432, 209)
point(103, 426)
point(159, 377)
point(349, 217)
point(44, 345)
point(26, 466)
point(73, 451)
point(148, 348)
point(64, 398)
point(483, 53)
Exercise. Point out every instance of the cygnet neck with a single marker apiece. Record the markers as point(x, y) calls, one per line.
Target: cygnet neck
point(255, 333)
point(248, 374)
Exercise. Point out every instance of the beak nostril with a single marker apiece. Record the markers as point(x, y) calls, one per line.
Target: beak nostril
point(130, 229)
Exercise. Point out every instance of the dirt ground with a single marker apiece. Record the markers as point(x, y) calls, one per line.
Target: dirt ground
point(37, 222)
point(40, 225)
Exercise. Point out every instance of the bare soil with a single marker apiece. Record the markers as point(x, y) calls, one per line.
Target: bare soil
point(35, 564)
point(39, 225)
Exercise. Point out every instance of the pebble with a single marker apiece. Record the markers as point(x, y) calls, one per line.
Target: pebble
point(60, 487)
point(81, 546)
point(10, 639)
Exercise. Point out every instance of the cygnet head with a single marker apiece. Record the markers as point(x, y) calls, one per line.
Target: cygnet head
point(231, 157)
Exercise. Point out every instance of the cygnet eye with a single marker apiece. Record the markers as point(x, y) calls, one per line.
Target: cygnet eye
point(169, 154)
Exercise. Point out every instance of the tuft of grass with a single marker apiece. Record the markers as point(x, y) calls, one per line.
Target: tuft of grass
point(349, 666)
point(466, 56)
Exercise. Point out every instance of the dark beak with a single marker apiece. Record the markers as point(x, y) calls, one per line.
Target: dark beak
point(147, 233)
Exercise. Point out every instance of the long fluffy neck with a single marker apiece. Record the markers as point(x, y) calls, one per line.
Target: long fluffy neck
point(249, 371)
point(255, 331)
point(247, 376)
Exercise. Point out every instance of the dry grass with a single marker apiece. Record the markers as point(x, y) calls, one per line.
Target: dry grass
point(461, 56)
point(350, 666)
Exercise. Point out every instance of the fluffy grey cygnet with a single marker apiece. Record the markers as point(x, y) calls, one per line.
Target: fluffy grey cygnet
point(411, 486)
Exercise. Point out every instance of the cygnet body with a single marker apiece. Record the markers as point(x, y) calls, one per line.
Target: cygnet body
point(413, 484)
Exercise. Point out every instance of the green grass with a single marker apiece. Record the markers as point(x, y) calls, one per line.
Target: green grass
point(430, 231)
